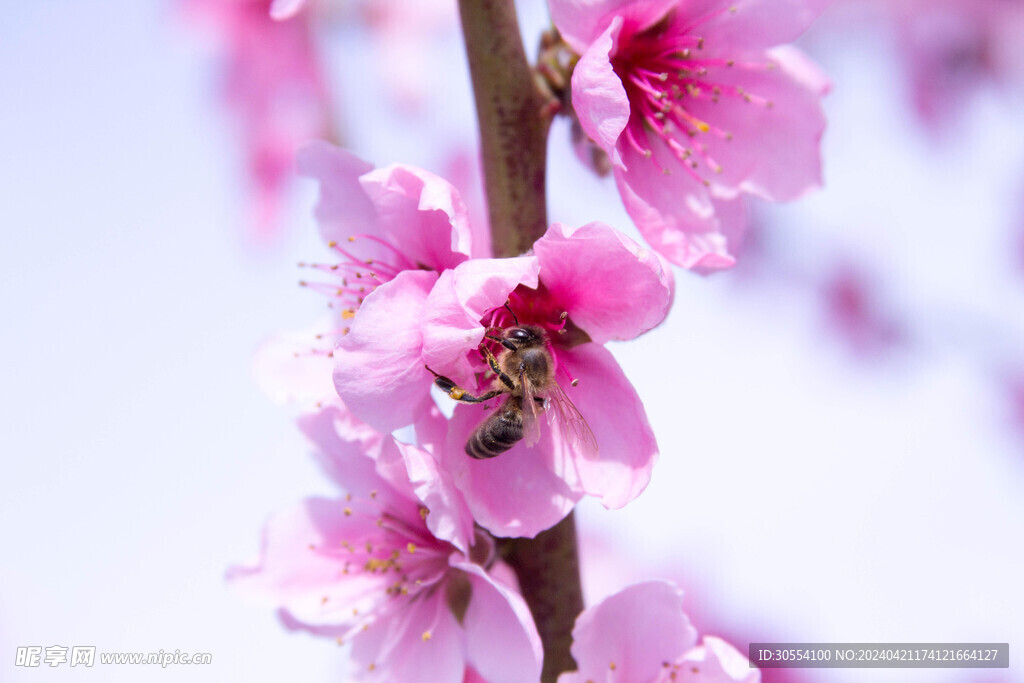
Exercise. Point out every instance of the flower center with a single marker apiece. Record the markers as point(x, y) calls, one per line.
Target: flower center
point(399, 562)
point(665, 71)
point(533, 307)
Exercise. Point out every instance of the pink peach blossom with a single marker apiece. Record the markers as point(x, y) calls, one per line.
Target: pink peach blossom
point(641, 635)
point(696, 104)
point(584, 287)
point(372, 242)
point(395, 230)
point(273, 89)
point(394, 566)
point(610, 289)
point(410, 297)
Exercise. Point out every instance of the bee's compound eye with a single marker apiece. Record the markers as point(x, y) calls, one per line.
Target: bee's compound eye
point(519, 334)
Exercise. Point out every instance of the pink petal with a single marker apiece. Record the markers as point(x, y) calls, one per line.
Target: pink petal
point(421, 214)
point(416, 212)
point(611, 287)
point(285, 9)
point(612, 408)
point(449, 518)
point(423, 642)
point(519, 493)
point(755, 24)
point(581, 21)
point(637, 629)
point(431, 429)
point(678, 217)
point(774, 151)
point(343, 209)
point(392, 469)
point(598, 97)
point(716, 661)
point(345, 448)
point(295, 571)
point(502, 642)
point(378, 368)
point(451, 322)
point(287, 372)
point(721, 249)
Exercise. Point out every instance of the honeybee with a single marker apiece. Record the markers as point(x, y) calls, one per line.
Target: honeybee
point(525, 372)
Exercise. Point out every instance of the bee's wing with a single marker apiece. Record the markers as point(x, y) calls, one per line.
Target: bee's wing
point(574, 425)
point(531, 426)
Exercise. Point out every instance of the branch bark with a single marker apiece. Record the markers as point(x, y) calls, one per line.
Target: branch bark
point(513, 127)
point(514, 119)
point(548, 569)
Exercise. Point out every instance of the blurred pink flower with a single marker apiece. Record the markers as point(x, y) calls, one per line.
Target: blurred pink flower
point(403, 32)
point(694, 105)
point(955, 46)
point(641, 635)
point(852, 309)
point(274, 90)
point(394, 566)
point(400, 33)
point(1015, 394)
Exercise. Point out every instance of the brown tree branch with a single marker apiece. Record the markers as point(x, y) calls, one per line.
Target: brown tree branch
point(514, 117)
point(513, 124)
point(549, 577)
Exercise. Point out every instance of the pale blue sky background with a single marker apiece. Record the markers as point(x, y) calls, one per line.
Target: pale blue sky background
point(803, 491)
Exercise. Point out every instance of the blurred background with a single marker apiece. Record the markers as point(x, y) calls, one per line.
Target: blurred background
point(841, 416)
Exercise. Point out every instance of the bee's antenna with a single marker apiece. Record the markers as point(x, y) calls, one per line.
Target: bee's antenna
point(509, 309)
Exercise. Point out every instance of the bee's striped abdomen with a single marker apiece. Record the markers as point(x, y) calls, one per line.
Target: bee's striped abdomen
point(499, 432)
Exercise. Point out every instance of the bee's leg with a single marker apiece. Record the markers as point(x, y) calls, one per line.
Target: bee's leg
point(493, 362)
point(459, 394)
